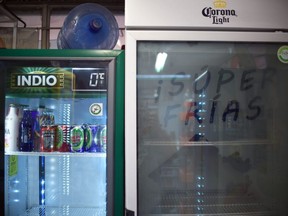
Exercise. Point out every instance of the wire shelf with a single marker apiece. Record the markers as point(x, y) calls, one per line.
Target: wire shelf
point(64, 211)
point(207, 203)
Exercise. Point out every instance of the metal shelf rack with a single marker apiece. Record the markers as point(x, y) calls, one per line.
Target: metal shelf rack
point(71, 211)
point(210, 203)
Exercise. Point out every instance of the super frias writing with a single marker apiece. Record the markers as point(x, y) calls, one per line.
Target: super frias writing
point(229, 94)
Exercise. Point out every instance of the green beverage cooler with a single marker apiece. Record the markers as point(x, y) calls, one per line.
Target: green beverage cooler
point(62, 128)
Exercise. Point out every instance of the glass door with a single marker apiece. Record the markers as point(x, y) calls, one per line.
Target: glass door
point(211, 121)
point(61, 133)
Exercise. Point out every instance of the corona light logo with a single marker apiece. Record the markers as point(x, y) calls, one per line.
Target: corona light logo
point(219, 13)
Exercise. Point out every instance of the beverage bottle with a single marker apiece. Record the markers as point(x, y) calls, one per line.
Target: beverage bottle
point(88, 26)
point(11, 129)
point(26, 130)
point(21, 108)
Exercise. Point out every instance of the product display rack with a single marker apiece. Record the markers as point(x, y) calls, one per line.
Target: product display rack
point(41, 211)
point(211, 203)
point(60, 154)
point(208, 143)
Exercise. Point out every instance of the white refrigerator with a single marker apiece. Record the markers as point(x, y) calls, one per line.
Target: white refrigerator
point(206, 107)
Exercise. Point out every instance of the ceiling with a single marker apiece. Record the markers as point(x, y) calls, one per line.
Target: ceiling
point(116, 6)
point(24, 13)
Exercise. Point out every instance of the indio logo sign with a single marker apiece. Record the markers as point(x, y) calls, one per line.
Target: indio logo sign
point(38, 79)
point(219, 13)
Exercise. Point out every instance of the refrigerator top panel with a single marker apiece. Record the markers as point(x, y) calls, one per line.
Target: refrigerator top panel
point(207, 14)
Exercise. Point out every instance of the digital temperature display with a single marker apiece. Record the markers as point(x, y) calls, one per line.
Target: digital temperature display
point(89, 79)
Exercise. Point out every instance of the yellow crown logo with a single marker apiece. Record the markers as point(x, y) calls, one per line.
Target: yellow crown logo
point(220, 4)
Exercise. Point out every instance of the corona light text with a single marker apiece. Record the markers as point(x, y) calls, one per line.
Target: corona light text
point(219, 14)
point(209, 12)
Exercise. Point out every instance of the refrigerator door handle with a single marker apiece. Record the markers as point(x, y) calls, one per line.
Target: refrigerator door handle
point(129, 212)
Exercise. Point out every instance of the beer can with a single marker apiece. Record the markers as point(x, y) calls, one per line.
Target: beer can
point(77, 138)
point(63, 138)
point(91, 139)
point(48, 138)
point(41, 119)
point(102, 136)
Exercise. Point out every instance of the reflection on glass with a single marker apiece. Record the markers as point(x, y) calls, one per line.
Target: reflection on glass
point(211, 129)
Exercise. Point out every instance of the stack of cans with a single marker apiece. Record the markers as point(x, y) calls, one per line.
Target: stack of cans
point(39, 133)
point(73, 138)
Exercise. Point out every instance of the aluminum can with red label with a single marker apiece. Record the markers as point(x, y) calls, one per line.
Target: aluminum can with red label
point(91, 138)
point(63, 138)
point(77, 138)
point(44, 117)
point(48, 138)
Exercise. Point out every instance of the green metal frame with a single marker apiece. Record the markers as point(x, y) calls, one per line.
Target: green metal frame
point(119, 194)
point(81, 53)
point(119, 180)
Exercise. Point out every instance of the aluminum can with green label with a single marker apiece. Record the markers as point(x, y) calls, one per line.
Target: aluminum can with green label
point(91, 138)
point(77, 138)
point(102, 137)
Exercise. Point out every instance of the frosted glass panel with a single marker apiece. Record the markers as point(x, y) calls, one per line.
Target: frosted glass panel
point(211, 128)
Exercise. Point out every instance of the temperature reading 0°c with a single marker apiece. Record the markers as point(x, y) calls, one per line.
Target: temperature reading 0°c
point(95, 78)
point(89, 79)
